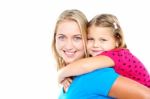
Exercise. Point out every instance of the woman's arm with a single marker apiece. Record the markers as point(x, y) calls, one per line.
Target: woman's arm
point(125, 88)
point(85, 65)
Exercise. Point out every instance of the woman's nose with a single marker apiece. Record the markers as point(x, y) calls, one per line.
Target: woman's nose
point(69, 44)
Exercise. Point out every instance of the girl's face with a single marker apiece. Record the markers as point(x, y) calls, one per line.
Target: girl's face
point(69, 44)
point(100, 39)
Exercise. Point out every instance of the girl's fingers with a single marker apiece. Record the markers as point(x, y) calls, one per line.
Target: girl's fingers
point(65, 88)
point(70, 80)
point(66, 83)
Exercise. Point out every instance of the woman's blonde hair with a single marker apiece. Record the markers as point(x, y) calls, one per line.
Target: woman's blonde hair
point(81, 20)
point(110, 21)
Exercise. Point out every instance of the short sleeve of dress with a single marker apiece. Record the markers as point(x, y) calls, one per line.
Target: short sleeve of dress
point(129, 65)
point(118, 56)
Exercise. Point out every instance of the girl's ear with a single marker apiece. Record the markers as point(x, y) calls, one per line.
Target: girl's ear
point(117, 45)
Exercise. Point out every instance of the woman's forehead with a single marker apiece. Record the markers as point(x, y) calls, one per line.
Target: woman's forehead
point(68, 27)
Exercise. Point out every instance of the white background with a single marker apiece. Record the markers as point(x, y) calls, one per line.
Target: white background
point(27, 69)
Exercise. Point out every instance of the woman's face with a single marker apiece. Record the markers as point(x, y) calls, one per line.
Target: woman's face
point(69, 44)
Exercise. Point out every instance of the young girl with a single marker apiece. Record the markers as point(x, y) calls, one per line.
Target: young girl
point(106, 43)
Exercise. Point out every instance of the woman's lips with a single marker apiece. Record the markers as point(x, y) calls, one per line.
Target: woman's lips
point(69, 54)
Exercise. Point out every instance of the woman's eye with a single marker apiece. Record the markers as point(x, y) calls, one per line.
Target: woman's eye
point(61, 38)
point(77, 38)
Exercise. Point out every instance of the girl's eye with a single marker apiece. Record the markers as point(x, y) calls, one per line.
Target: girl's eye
point(103, 40)
point(90, 39)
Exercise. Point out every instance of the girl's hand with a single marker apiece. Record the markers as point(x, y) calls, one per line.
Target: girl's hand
point(60, 76)
point(66, 83)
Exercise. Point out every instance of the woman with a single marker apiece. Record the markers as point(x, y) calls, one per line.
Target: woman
point(69, 45)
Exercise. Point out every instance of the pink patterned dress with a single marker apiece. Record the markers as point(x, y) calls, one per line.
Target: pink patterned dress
point(128, 65)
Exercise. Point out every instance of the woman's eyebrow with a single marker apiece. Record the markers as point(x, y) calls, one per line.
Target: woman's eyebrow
point(59, 34)
point(77, 35)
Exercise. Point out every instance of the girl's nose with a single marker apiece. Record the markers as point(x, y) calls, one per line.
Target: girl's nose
point(96, 44)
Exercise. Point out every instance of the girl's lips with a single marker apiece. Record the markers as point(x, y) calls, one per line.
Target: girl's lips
point(96, 52)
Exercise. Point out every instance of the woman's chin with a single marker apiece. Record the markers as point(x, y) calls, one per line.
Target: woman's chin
point(68, 61)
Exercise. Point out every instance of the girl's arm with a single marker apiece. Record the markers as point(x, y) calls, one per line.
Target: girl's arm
point(125, 88)
point(85, 65)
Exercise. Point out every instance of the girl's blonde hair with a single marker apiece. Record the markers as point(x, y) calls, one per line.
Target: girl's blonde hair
point(110, 21)
point(81, 20)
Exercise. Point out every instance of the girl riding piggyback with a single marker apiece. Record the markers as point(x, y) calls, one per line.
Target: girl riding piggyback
point(107, 48)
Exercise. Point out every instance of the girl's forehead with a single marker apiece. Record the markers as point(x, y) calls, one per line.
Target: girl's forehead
point(99, 29)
